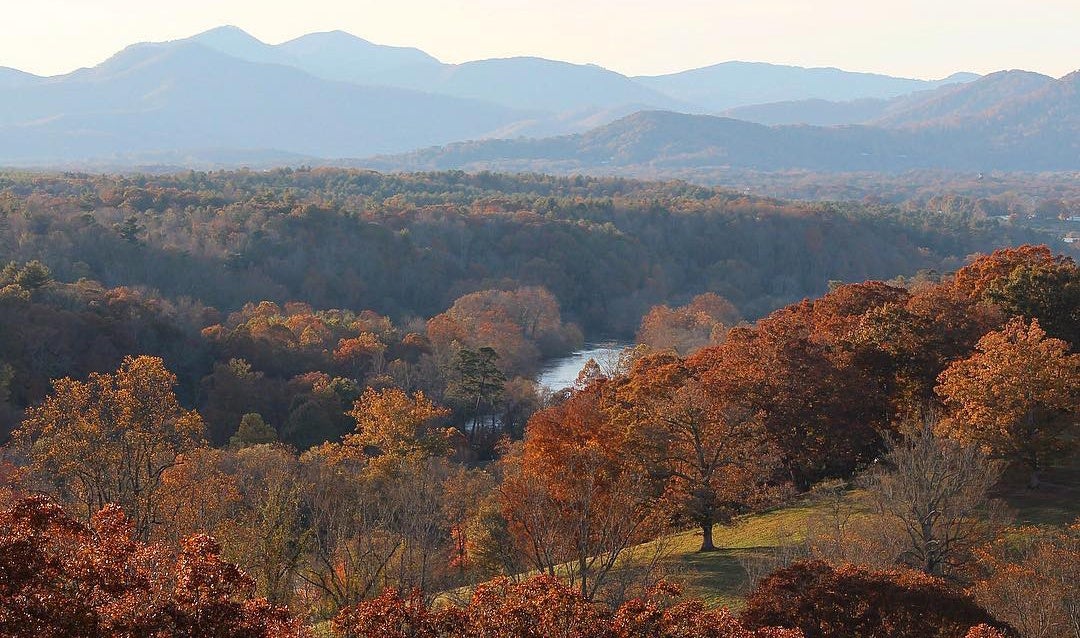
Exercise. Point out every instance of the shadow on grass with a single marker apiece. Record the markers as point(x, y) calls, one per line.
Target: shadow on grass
point(1055, 502)
point(717, 577)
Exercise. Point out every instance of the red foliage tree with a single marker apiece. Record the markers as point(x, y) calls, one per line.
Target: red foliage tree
point(542, 607)
point(849, 601)
point(823, 414)
point(60, 578)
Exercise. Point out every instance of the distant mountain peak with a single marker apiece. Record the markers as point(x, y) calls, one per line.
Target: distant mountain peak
point(225, 33)
point(1013, 73)
point(334, 34)
point(338, 42)
point(336, 37)
point(961, 76)
point(234, 41)
point(225, 28)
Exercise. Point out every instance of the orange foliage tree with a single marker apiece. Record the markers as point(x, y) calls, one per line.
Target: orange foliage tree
point(1029, 281)
point(391, 421)
point(685, 329)
point(374, 503)
point(576, 497)
point(521, 325)
point(1018, 396)
point(713, 453)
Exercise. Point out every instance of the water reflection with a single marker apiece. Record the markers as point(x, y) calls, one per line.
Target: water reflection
point(561, 373)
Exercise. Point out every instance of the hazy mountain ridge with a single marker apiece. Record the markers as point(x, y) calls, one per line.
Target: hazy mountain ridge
point(331, 55)
point(531, 82)
point(157, 98)
point(1036, 130)
point(941, 106)
point(729, 85)
point(130, 104)
point(223, 96)
point(13, 77)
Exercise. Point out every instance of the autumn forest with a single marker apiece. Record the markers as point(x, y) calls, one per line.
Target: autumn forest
point(304, 402)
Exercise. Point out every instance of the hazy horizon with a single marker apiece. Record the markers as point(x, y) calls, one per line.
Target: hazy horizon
point(928, 40)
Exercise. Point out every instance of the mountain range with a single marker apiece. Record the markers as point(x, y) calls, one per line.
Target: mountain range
point(536, 83)
point(917, 108)
point(1004, 121)
point(732, 84)
point(223, 97)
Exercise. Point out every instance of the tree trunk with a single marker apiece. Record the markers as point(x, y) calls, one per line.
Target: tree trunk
point(1033, 480)
point(706, 538)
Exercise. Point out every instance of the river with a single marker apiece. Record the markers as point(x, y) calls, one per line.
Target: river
point(562, 372)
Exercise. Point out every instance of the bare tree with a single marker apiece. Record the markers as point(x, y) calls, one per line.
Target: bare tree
point(845, 529)
point(372, 524)
point(936, 492)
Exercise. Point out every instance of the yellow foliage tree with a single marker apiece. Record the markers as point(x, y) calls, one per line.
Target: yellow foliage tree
point(111, 438)
point(390, 421)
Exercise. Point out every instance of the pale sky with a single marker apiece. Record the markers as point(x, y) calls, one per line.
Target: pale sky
point(915, 38)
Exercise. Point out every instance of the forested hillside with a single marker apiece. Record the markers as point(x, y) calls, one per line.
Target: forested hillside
point(151, 264)
point(408, 245)
point(931, 396)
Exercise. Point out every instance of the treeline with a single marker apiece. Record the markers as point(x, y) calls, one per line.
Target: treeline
point(946, 384)
point(1044, 195)
point(409, 245)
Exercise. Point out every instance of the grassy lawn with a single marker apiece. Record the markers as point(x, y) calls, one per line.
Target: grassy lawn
point(720, 579)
